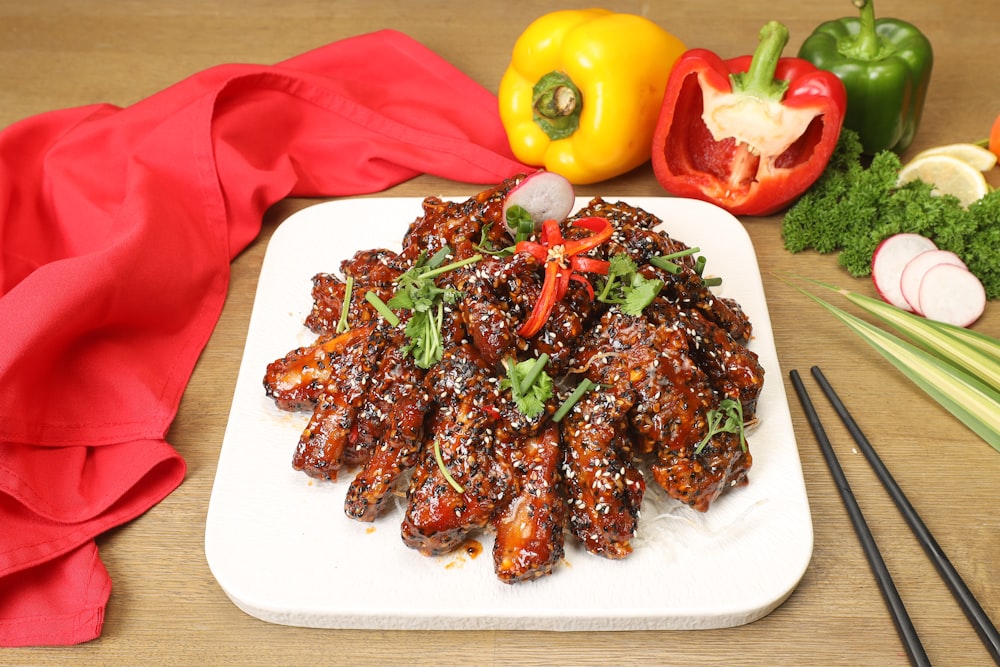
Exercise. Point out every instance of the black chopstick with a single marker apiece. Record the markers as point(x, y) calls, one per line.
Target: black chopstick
point(904, 626)
point(967, 601)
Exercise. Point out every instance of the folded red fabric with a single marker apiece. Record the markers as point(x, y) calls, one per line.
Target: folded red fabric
point(116, 233)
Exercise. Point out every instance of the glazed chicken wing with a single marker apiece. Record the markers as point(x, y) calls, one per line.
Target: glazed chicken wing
point(529, 528)
point(402, 402)
point(321, 446)
point(439, 516)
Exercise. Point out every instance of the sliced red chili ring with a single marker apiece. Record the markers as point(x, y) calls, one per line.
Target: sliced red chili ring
point(562, 262)
point(586, 284)
point(536, 250)
point(590, 265)
point(602, 232)
point(543, 306)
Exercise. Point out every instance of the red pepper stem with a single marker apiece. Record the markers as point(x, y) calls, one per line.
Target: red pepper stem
point(759, 79)
point(867, 44)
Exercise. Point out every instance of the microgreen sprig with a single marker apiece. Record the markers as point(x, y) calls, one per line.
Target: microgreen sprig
point(444, 470)
point(485, 246)
point(727, 418)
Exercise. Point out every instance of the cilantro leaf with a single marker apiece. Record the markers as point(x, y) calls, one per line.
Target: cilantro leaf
point(417, 292)
point(627, 287)
point(529, 384)
point(641, 294)
point(485, 246)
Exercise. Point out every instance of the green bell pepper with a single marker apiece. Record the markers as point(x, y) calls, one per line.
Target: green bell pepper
point(885, 65)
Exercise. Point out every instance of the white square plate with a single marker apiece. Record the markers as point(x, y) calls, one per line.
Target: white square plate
point(281, 547)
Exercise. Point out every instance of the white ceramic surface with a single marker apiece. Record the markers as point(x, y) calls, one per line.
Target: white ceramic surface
point(281, 547)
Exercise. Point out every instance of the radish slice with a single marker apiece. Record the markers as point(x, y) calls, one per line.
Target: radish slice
point(913, 273)
point(890, 257)
point(951, 294)
point(545, 195)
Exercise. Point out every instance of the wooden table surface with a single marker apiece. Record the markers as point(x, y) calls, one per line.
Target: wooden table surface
point(166, 608)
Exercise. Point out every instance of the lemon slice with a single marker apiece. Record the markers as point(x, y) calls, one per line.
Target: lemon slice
point(977, 156)
point(949, 176)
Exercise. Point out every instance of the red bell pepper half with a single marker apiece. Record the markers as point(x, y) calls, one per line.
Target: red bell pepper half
point(749, 134)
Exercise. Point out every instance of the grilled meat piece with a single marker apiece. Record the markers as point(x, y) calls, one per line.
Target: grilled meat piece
point(687, 291)
point(321, 446)
point(603, 486)
point(634, 235)
point(496, 293)
point(670, 419)
point(372, 270)
point(733, 370)
point(395, 377)
point(529, 529)
point(438, 517)
point(661, 375)
point(459, 225)
point(298, 380)
point(402, 401)
point(670, 402)
point(698, 479)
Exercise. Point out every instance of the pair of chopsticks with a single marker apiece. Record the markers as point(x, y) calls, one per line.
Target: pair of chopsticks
point(973, 611)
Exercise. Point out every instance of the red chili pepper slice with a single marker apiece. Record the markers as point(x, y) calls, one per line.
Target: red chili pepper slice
point(562, 264)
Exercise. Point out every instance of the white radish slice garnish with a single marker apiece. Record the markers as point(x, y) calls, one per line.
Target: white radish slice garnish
point(952, 294)
point(545, 195)
point(913, 274)
point(890, 257)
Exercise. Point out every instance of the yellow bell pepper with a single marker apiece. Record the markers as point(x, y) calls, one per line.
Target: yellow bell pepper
point(583, 92)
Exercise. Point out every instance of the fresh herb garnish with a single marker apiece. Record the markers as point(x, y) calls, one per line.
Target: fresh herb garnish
point(485, 246)
point(424, 331)
point(444, 471)
point(383, 310)
point(529, 384)
point(856, 203)
point(574, 398)
point(564, 261)
point(345, 307)
point(519, 220)
point(667, 263)
point(417, 292)
point(727, 418)
point(627, 287)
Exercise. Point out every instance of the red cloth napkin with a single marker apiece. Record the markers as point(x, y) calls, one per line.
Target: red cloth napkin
point(117, 226)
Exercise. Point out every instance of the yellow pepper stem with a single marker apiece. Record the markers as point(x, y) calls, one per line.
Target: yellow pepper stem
point(557, 105)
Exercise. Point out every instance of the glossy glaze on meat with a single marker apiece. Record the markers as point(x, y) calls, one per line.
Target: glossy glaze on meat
point(529, 525)
point(449, 442)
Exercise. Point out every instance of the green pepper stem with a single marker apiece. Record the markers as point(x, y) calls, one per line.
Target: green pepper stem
point(759, 79)
point(867, 45)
